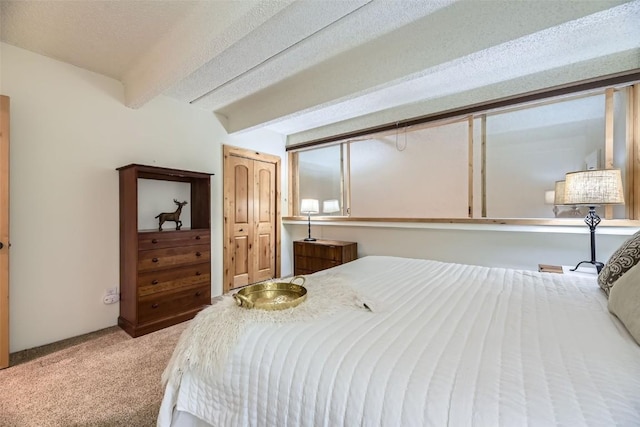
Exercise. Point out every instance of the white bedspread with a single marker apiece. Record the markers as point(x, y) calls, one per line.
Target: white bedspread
point(450, 344)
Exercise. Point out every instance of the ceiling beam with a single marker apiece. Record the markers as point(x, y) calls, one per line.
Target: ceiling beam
point(446, 35)
point(305, 34)
point(206, 32)
point(620, 65)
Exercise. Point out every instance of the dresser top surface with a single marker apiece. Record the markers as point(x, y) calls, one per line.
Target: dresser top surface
point(169, 230)
point(326, 242)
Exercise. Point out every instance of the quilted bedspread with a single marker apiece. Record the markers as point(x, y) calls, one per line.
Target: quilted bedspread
point(447, 345)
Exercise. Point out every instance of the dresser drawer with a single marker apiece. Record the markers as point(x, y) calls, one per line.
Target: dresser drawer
point(166, 305)
point(169, 239)
point(331, 252)
point(314, 264)
point(312, 256)
point(159, 258)
point(173, 279)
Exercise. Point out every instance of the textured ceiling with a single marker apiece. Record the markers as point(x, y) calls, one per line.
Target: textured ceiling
point(296, 65)
point(102, 36)
point(595, 36)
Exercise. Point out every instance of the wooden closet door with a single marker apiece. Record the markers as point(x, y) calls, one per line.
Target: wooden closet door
point(4, 231)
point(251, 217)
point(240, 191)
point(264, 175)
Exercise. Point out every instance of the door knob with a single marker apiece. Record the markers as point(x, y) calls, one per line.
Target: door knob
point(1, 245)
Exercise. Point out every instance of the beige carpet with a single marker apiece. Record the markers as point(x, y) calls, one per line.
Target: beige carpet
point(105, 378)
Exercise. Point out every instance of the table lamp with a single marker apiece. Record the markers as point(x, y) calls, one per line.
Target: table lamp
point(309, 206)
point(593, 188)
point(330, 206)
point(549, 199)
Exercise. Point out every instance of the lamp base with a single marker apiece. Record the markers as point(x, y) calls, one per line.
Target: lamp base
point(597, 264)
point(310, 239)
point(592, 220)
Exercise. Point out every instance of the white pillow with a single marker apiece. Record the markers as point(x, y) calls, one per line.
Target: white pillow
point(624, 301)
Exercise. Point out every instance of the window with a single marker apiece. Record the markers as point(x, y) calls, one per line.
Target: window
point(412, 173)
point(527, 150)
point(320, 177)
point(490, 164)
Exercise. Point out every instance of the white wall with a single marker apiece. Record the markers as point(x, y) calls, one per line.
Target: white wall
point(69, 132)
point(421, 174)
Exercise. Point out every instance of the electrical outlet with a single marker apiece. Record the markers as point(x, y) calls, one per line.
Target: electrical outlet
point(111, 296)
point(111, 299)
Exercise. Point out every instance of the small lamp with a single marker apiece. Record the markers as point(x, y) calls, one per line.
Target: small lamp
point(559, 193)
point(574, 212)
point(309, 206)
point(330, 206)
point(549, 199)
point(593, 188)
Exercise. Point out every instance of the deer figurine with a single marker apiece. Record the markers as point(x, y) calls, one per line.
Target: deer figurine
point(171, 216)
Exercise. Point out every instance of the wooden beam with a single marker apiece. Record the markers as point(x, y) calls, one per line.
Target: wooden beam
point(227, 232)
point(347, 204)
point(342, 181)
point(294, 193)
point(278, 219)
point(483, 163)
point(608, 140)
point(4, 231)
point(635, 199)
point(630, 164)
point(470, 170)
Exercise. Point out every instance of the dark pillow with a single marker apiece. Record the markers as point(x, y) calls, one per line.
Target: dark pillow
point(620, 262)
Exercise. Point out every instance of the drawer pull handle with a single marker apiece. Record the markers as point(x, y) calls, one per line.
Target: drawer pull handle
point(154, 282)
point(155, 305)
point(198, 293)
point(241, 229)
point(198, 254)
point(197, 237)
point(198, 273)
point(154, 260)
point(154, 241)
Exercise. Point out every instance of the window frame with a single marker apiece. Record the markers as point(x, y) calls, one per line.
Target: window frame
point(632, 191)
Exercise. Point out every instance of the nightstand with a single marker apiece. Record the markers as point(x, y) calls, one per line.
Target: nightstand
point(312, 256)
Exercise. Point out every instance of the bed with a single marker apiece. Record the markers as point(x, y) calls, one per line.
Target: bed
point(443, 345)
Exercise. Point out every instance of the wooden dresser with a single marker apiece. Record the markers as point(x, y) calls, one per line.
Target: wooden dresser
point(313, 256)
point(165, 276)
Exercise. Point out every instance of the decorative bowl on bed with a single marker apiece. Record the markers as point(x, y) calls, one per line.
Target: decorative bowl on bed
point(272, 295)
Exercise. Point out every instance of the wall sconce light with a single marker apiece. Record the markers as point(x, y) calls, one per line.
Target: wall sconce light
point(309, 206)
point(593, 188)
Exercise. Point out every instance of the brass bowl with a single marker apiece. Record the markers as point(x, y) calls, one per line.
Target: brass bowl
point(272, 295)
